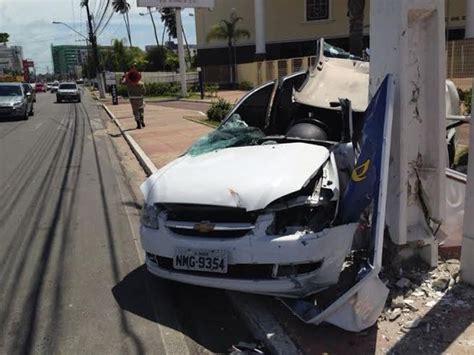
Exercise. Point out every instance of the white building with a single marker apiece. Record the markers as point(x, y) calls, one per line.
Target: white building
point(11, 58)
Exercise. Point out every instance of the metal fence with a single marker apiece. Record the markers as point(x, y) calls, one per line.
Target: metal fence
point(460, 58)
point(165, 77)
point(459, 65)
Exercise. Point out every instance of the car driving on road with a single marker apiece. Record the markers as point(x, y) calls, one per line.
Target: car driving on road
point(54, 87)
point(68, 92)
point(15, 101)
point(40, 87)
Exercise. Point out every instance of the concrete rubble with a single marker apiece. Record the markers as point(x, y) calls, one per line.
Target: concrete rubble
point(424, 306)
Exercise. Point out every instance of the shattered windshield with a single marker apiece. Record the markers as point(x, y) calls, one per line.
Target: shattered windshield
point(233, 133)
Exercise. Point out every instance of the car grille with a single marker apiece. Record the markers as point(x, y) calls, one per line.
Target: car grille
point(237, 233)
point(6, 110)
point(208, 221)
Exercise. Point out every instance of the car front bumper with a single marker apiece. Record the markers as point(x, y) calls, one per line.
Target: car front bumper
point(325, 250)
point(6, 112)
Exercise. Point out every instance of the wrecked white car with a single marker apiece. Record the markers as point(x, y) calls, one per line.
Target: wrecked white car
point(270, 202)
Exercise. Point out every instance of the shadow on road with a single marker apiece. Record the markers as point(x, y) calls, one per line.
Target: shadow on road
point(202, 314)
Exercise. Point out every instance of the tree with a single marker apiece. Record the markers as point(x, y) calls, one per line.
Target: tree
point(121, 60)
point(156, 59)
point(227, 30)
point(123, 7)
point(4, 37)
point(355, 12)
point(169, 19)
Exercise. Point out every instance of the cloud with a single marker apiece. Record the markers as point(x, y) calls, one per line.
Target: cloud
point(29, 25)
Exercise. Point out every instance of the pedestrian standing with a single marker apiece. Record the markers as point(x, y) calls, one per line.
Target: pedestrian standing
point(136, 93)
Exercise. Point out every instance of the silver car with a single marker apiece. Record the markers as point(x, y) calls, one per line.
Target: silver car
point(68, 92)
point(15, 101)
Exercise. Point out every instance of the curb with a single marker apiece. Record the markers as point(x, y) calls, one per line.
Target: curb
point(199, 122)
point(263, 324)
point(145, 162)
point(205, 101)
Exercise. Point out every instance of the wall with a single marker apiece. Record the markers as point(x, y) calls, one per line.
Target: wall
point(288, 35)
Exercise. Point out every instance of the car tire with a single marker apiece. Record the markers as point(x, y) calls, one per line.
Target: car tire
point(78, 99)
point(58, 100)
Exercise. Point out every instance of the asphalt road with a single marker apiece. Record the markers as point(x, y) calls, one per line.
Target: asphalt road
point(71, 272)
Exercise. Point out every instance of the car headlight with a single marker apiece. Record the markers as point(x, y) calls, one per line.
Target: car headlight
point(17, 104)
point(150, 216)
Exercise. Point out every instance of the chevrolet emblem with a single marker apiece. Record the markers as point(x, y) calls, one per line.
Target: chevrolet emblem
point(204, 227)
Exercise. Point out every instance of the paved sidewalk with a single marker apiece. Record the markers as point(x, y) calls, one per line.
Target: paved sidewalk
point(166, 135)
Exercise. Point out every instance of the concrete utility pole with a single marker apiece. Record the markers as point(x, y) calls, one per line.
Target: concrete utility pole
point(407, 40)
point(95, 52)
point(469, 19)
point(182, 62)
point(260, 29)
point(467, 249)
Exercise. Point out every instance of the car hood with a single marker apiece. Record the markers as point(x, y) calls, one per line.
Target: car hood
point(248, 177)
point(9, 100)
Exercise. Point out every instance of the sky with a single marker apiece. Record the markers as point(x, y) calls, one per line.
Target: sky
point(29, 24)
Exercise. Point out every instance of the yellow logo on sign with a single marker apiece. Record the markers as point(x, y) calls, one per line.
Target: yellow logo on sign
point(360, 172)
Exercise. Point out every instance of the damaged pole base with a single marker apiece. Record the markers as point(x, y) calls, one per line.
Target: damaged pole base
point(424, 244)
point(424, 249)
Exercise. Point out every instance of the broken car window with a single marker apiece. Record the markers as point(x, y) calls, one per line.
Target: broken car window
point(233, 133)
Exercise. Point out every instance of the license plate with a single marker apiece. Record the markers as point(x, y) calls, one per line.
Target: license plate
point(200, 260)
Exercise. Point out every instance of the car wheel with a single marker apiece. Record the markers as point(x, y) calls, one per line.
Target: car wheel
point(78, 99)
point(58, 100)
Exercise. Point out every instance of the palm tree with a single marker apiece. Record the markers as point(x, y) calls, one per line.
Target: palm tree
point(120, 57)
point(355, 12)
point(4, 37)
point(168, 17)
point(227, 30)
point(123, 7)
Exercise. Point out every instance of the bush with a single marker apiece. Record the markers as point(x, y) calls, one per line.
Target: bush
point(466, 96)
point(154, 89)
point(245, 85)
point(218, 110)
point(162, 89)
point(211, 89)
point(122, 90)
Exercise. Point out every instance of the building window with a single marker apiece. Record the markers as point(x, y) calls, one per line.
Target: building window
point(317, 10)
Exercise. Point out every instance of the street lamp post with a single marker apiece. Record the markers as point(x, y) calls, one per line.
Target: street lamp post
point(154, 25)
point(95, 52)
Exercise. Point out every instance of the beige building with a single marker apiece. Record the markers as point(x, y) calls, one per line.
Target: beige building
point(282, 29)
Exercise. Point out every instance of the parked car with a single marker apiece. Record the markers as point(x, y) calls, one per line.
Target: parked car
point(40, 87)
point(15, 101)
point(54, 87)
point(49, 86)
point(68, 92)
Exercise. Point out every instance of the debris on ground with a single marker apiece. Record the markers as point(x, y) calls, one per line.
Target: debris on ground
point(427, 310)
